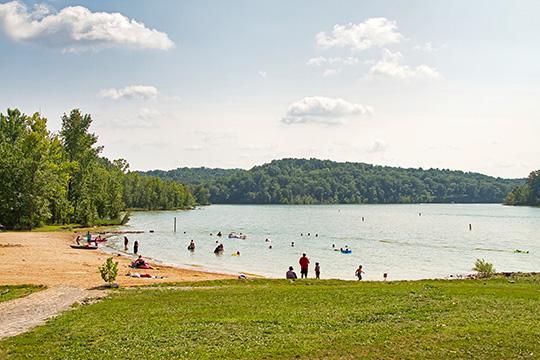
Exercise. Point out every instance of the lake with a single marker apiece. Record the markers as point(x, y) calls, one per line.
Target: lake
point(405, 241)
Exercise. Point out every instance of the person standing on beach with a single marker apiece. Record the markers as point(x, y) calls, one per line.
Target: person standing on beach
point(359, 272)
point(135, 247)
point(88, 237)
point(126, 242)
point(317, 271)
point(304, 264)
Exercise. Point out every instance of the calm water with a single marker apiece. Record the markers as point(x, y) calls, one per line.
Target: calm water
point(393, 238)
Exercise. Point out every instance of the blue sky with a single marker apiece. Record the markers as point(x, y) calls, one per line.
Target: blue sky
point(238, 83)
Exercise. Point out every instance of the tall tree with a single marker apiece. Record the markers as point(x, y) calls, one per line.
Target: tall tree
point(32, 171)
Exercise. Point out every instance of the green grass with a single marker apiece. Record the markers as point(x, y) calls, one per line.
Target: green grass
point(10, 292)
point(483, 319)
point(56, 228)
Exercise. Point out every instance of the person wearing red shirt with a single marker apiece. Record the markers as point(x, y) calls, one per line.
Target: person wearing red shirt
point(304, 263)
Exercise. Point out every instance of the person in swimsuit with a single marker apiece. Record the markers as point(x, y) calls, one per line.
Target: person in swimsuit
point(359, 272)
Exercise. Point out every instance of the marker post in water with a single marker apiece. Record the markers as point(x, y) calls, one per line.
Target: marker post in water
point(175, 224)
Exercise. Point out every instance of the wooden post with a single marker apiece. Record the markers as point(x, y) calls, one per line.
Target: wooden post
point(175, 224)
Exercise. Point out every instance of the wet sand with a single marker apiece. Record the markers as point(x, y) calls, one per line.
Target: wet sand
point(45, 258)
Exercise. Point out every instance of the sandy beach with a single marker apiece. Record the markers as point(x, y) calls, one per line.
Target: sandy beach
point(45, 258)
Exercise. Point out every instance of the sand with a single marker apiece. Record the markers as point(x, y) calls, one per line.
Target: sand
point(45, 258)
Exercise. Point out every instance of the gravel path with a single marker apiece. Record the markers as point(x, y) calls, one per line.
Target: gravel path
point(23, 314)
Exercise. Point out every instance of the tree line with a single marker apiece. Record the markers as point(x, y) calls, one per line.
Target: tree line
point(61, 178)
point(526, 194)
point(313, 181)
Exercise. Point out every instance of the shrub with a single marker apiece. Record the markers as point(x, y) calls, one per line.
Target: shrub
point(109, 271)
point(483, 268)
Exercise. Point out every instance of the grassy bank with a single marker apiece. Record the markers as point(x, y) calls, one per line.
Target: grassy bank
point(10, 292)
point(496, 318)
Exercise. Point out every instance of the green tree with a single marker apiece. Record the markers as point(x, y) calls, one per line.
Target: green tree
point(32, 171)
point(109, 270)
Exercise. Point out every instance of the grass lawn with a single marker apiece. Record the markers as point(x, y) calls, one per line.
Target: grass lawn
point(10, 292)
point(494, 319)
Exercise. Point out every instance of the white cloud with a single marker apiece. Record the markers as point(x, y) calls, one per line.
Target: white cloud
point(390, 65)
point(322, 61)
point(145, 118)
point(331, 72)
point(76, 28)
point(427, 47)
point(377, 147)
point(147, 114)
point(319, 109)
point(194, 148)
point(140, 92)
point(374, 32)
point(262, 74)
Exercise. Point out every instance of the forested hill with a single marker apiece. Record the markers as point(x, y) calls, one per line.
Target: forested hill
point(313, 181)
point(193, 176)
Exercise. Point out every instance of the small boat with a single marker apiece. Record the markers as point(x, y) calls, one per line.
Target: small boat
point(346, 251)
point(84, 247)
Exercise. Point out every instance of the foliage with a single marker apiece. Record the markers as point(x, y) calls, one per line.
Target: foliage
point(51, 179)
point(274, 319)
point(301, 181)
point(193, 176)
point(33, 174)
point(526, 194)
point(109, 270)
point(484, 268)
point(151, 193)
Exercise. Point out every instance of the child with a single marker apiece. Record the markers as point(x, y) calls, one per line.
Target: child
point(359, 272)
point(317, 271)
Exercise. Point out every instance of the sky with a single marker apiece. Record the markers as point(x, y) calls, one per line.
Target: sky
point(233, 84)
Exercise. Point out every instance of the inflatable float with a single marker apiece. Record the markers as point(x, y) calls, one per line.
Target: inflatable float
point(346, 251)
point(237, 236)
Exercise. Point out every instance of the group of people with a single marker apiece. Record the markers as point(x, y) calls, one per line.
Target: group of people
point(304, 261)
point(304, 267)
point(135, 245)
point(89, 239)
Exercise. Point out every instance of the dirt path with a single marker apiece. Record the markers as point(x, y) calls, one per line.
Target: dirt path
point(23, 314)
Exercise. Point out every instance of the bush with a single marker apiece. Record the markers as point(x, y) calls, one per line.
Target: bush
point(109, 271)
point(483, 268)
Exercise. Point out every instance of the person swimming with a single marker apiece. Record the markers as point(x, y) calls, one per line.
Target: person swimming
point(219, 249)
